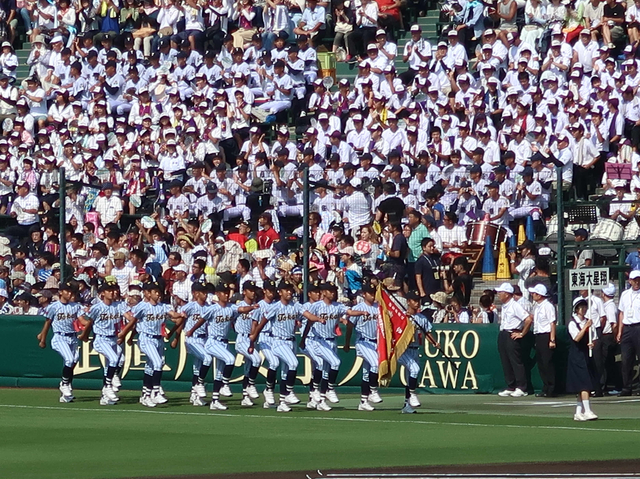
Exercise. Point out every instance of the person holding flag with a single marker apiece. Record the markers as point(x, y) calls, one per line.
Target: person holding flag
point(409, 358)
point(397, 341)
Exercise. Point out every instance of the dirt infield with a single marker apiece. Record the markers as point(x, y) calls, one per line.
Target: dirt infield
point(631, 466)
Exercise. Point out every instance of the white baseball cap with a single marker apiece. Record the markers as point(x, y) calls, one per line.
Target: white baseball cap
point(507, 288)
point(181, 267)
point(609, 290)
point(540, 289)
point(634, 274)
point(357, 182)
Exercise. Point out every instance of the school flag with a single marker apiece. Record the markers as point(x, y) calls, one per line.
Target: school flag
point(395, 333)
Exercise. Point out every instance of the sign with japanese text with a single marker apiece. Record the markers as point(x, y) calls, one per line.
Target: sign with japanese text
point(585, 278)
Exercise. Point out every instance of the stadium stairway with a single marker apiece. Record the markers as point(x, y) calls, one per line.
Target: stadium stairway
point(429, 24)
point(23, 55)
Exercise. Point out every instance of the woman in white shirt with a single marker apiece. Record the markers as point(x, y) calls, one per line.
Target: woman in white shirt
point(60, 111)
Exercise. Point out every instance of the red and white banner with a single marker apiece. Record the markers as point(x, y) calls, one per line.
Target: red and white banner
point(395, 333)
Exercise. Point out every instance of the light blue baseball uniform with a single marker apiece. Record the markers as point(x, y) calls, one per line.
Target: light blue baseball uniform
point(264, 339)
point(243, 326)
point(409, 358)
point(196, 342)
point(283, 319)
point(65, 339)
point(106, 319)
point(309, 352)
point(323, 342)
point(366, 327)
point(150, 326)
point(219, 319)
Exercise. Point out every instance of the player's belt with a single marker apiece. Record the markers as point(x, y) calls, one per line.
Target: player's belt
point(412, 347)
point(67, 334)
point(112, 336)
point(154, 336)
point(199, 336)
point(328, 339)
point(282, 339)
point(631, 325)
point(246, 335)
point(220, 338)
point(369, 340)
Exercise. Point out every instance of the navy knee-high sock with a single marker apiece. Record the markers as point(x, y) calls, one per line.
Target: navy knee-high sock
point(333, 378)
point(67, 375)
point(271, 379)
point(204, 370)
point(291, 380)
point(373, 380)
point(226, 373)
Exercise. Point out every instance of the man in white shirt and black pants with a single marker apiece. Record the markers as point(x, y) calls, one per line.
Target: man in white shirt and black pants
point(628, 334)
point(544, 330)
point(25, 210)
point(606, 348)
point(514, 326)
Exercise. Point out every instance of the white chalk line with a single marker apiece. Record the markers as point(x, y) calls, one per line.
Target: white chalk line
point(319, 418)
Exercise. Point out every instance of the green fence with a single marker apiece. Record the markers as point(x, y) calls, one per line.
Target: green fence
point(473, 349)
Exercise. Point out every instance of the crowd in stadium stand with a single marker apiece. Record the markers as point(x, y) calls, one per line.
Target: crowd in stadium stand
point(184, 129)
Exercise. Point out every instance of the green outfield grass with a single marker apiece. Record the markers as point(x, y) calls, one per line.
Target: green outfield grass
point(39, 437)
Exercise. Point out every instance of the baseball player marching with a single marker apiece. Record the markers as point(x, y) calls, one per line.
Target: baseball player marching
point(244, 326)
point(104, 318)
point(323, 342)
point(195, 343)
point(264, 339)
point(149, 317)
point(316, 361)
point(409, 358)
point(60, 317)
point(364, 319)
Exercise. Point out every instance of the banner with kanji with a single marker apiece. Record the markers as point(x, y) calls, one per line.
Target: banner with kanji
point(395, 333)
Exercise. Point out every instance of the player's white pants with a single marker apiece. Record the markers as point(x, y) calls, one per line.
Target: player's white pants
point(409, 360)
point(285, 350)
point(274, 107)
point(153, 348)
point(290, 210)
point(327, 350)
point(316, 360)
point(195, 347)
point(265, 344)
point(236, 211)
point(524, 211)
point(368, 352)
point(108, 346)
point(219, 350)
point(67, 347)
point(310, 76)
point(242, 348)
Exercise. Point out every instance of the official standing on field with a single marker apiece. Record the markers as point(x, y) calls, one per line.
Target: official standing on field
point(544, 330)
point(515, 324)
point(628, 334)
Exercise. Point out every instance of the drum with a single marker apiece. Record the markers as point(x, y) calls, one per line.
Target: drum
point(552, 233)
point(632, 231)
point(607, 230)
point(477, 232)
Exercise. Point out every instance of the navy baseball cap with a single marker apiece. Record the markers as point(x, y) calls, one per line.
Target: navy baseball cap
point(581, 232)
point(412, 295)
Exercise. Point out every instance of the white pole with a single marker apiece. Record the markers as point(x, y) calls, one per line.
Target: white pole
point(590, 327)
